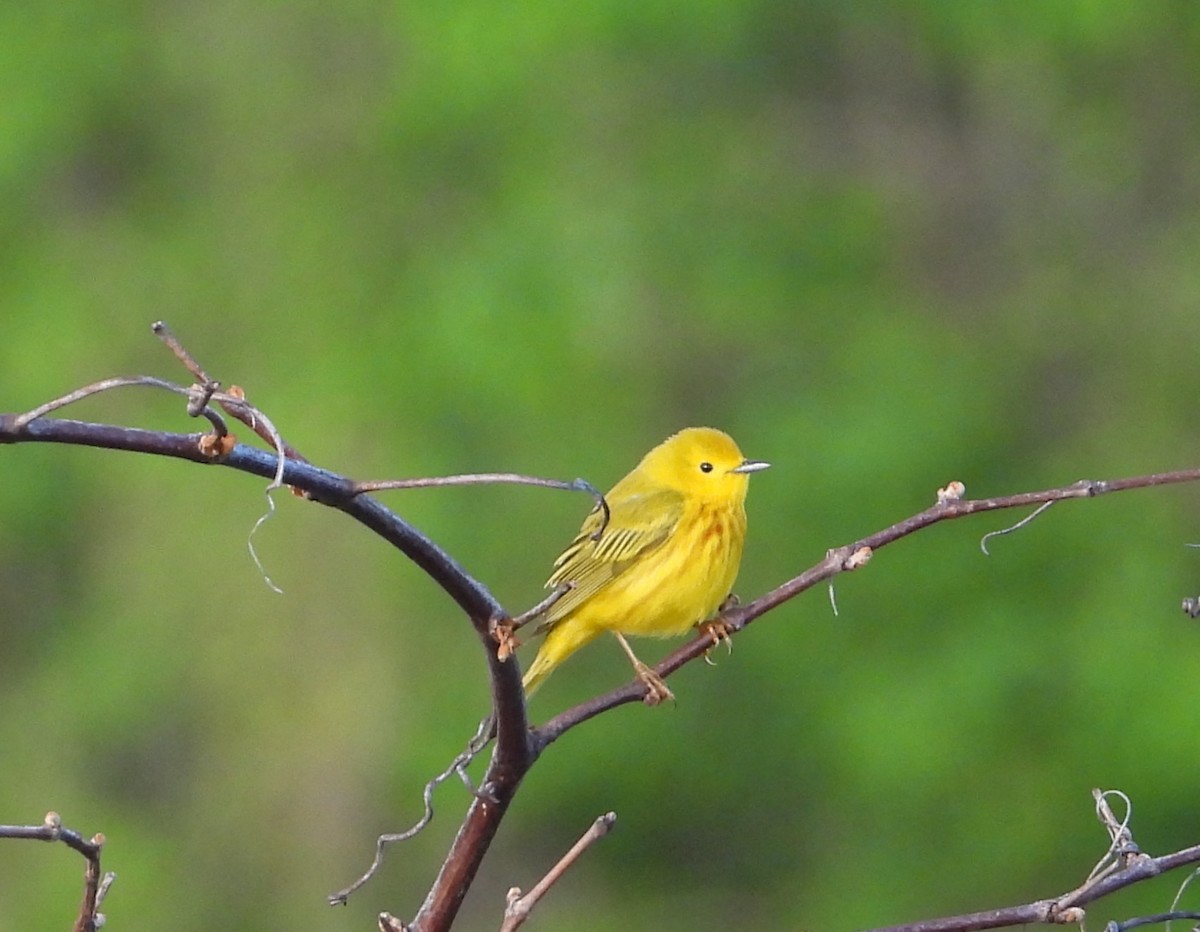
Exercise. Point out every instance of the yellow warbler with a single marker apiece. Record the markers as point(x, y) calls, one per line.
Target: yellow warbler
point(665, 560)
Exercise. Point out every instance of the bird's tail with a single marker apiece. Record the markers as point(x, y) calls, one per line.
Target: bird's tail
point(561, 642)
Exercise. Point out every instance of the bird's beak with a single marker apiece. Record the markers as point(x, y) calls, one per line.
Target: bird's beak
point(751, 466)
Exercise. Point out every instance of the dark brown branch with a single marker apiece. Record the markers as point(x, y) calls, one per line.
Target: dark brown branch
point(324, 486)
point(95, 883)
point(513, 754)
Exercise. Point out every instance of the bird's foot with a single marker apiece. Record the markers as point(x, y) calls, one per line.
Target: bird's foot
point(719, 631)
point(656, 687)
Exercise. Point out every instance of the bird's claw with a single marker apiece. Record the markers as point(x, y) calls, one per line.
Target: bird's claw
point(719, 631)
point(656, 688)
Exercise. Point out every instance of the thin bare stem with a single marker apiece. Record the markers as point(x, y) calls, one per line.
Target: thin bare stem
point(163, 332)
point(95, 883)
point(519, 907)
point(531, 614)
point(1183, 887)
point(95, 388)
point(1154, 920)
point(1134, 867)
point(490, 478)
point(846, 559)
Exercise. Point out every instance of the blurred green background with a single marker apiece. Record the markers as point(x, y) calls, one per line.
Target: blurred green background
point(884, 245)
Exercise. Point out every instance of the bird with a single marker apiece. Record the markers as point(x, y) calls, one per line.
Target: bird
point(659, 561)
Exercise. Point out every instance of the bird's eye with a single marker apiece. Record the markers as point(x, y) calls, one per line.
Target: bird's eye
point(706, 467)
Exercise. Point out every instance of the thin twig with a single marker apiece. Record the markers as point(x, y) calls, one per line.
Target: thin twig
point(105, 385)
point(542, 607)
point(490, 478)
point(1149, 921)
point(1183, 887)
point(504, 630)
point(1068, 908)
point(163, 332)
point(519, 907)
point(95, 884)
point(841, 560)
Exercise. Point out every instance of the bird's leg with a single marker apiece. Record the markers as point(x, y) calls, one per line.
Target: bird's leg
point(718, 630)
point(656, 689)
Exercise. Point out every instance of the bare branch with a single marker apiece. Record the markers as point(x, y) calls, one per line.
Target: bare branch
point(543, 606)
point(504, 630)
point(1149, 921)
point(163, 332)
point(96, 388)
point(490, 478)
point(1133, 867)
point(95, 884)
point(845, 559)
point(519, 907)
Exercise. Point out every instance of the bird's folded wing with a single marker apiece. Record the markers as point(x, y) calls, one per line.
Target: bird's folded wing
point(637, 524)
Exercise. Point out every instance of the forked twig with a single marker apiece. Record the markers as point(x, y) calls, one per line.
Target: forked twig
point(1132, 866)
point(95, 885)
point(518, 906)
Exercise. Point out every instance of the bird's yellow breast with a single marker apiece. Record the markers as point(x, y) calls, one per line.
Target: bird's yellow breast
point(679, 584)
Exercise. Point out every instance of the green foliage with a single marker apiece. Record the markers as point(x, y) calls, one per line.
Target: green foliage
point(884, 245)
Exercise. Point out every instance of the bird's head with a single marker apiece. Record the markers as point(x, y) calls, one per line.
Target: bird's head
point(701, 463)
